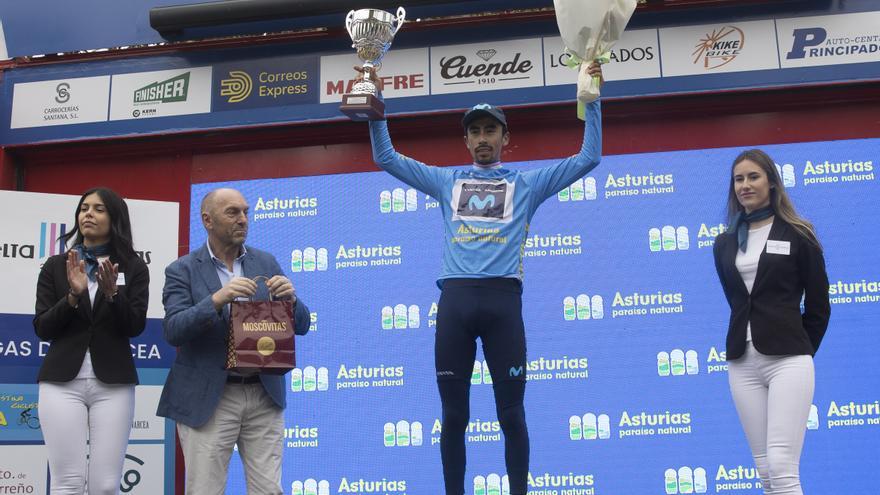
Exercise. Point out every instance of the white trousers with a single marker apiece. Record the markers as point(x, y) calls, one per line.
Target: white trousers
point(85, 409)
point(773, 395)
point(245, 416)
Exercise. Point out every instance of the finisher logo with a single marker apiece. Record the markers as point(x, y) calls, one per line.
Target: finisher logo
point(589, 427)
point(482, 200)
point(720, 47)
point(685, 480)
point(579, 190)
point(678, 363)
point(168, 91)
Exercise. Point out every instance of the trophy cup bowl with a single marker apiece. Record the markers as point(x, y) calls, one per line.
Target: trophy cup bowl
point(372, 32)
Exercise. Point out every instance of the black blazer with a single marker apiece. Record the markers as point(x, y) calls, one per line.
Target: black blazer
point(104, 329)
point(778, 327)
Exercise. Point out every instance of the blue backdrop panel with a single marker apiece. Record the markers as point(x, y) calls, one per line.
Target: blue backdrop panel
point(625, 321)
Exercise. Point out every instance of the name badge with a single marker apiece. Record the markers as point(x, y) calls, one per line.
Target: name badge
point(120, 279)
point(779, 247)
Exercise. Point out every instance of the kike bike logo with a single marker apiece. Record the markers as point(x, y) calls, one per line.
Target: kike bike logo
point(720, 47)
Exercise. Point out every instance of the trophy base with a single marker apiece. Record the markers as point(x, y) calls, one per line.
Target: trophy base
point(362, 107)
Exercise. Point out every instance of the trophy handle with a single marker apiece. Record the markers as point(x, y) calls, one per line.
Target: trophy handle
point(401, 16)
point(349, 19)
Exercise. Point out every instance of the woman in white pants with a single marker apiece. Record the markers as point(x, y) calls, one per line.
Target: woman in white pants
point(90, 301)
point(769, 259)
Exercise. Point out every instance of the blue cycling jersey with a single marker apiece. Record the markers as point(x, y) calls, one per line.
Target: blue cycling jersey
point(486, 212)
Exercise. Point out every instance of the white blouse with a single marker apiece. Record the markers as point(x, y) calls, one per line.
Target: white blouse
point(747, 262)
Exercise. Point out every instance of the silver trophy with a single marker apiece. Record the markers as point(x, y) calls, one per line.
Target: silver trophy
point(372, 32)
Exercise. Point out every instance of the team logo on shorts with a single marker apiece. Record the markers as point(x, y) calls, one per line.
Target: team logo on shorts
point(482, 200)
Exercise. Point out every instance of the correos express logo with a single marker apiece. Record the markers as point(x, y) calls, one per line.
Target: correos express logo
point(238, 87)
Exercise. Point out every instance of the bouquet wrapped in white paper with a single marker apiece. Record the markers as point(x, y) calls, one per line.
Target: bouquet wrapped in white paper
point(589, 29)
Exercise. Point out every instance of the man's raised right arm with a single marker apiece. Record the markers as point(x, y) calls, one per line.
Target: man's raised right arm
point(426, 179)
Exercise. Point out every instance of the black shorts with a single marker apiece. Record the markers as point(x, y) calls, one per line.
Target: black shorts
point(488, 308)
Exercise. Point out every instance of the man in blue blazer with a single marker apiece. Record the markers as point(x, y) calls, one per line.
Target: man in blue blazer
point(216, 409)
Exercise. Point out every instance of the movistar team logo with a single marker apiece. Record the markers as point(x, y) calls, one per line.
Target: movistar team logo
point(583, 307)
point(168, 91)
point(310, 487)
point(589, 427)
point(476, 204)
point(403, 434)
point(678, 362)
point(238, 87)
point(669, 238)
point(491, 485)
point(483, 200)
point(309, 379)
point(579, 190)
point(685, 480)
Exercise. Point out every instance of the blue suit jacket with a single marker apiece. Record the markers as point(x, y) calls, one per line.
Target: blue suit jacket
point(198, 375)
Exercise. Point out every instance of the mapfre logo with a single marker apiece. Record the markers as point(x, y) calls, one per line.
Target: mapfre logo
point(720, 47)
point(238, 87)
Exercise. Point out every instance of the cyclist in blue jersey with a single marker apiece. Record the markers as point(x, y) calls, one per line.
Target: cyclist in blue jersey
point(486, 212)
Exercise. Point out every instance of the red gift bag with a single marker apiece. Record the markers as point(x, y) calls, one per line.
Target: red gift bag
point(261, 337)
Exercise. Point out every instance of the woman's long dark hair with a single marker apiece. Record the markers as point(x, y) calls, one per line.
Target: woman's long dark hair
point(120, 223)
point(779, 199)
